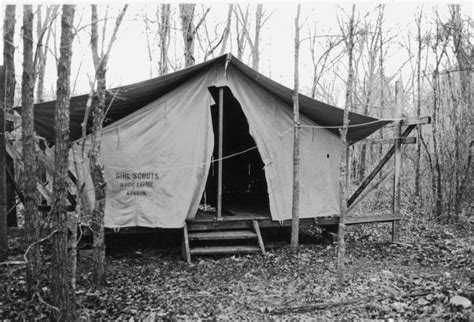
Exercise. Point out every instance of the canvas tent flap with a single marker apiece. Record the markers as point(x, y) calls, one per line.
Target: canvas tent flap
point(271, 125)
point(156, 160)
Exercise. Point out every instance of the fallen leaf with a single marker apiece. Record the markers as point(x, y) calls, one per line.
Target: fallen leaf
point(460, 301)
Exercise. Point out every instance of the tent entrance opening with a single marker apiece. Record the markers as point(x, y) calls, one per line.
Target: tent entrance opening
point(244, 186)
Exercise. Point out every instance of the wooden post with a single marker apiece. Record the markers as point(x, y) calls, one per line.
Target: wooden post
point(398, 162)
point(3, 190)
point(295, 211)
point(219, 153)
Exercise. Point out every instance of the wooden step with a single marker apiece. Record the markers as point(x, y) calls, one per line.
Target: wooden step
point(222, 235)
point(225, 250)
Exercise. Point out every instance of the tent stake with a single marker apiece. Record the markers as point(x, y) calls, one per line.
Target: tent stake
point(219, 156)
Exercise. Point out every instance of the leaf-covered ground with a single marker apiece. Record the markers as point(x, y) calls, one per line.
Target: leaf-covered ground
point(415, 279)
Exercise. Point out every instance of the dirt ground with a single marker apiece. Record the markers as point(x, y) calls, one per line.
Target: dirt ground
point(420, 278)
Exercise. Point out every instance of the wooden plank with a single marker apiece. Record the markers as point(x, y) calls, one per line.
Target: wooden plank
point(222, 235)
point(202, 226)
point(409, 140)
point(224, 250)
point(259, 237)
point(371, 219)
point(379, 167)
point(185, 245)
point(411, 121)
point(416, 121)
point(219, 153)
point(238, 217)
point(398, 163)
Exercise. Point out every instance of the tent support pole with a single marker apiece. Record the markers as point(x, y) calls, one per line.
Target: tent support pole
point(219, 157)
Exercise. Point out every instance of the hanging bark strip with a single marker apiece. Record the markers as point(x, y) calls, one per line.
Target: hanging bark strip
point(62, 290)
point(344, 173)
point(296, 141)
point(29, 154)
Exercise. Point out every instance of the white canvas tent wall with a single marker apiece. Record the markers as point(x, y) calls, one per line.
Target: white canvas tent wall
point(157, 158)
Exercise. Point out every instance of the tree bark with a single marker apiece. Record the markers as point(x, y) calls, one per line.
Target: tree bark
point(95, 164)
point(344, 173)
point(62, 288)
point(187, 24)
point(437, 189)
point(296, 141)
point(382, 83)
point(256, 42)
point(10, 85)
point(418, 107)
point(225, 36)
point(43, 27)
point(164, 33)
point(29, 155)
point(3, 173)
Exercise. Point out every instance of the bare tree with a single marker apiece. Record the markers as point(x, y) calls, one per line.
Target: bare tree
point(97, 104)
point(225, 35)
point(260, 19)
point(164, 33)
point(189, 30)
point(464, 52)
point(322, 63)
point(371, 44)
point(30, 165)
point(43, 28)
point(240, 24)
point(344, 174)
point(62, 289)
point(10, 85)
point(296, 140)
point(418, 103)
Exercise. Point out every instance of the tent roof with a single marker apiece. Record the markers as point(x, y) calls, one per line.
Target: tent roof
point(124, 100)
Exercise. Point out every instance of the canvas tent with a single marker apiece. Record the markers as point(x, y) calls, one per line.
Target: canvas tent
point(159, 141)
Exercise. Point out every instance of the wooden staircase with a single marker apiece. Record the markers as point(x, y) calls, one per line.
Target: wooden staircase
point(218, 239)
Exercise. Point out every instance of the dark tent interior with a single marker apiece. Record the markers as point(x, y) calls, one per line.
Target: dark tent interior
point(243, 176)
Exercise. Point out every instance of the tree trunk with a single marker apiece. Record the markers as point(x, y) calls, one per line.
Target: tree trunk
point(418, 108)
point(10, 83)
point(296, 142)
point(29, 155)
point(225, 36)
point(240, 26)
point(187, 25)
point(256, 42)
point(382, 84)
point(42, 51)
point(62, 288)
point(98, 178)
point(437, 191)
point(3, 173)
point(95, 164)
point(164, 33)
point(344, 175)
